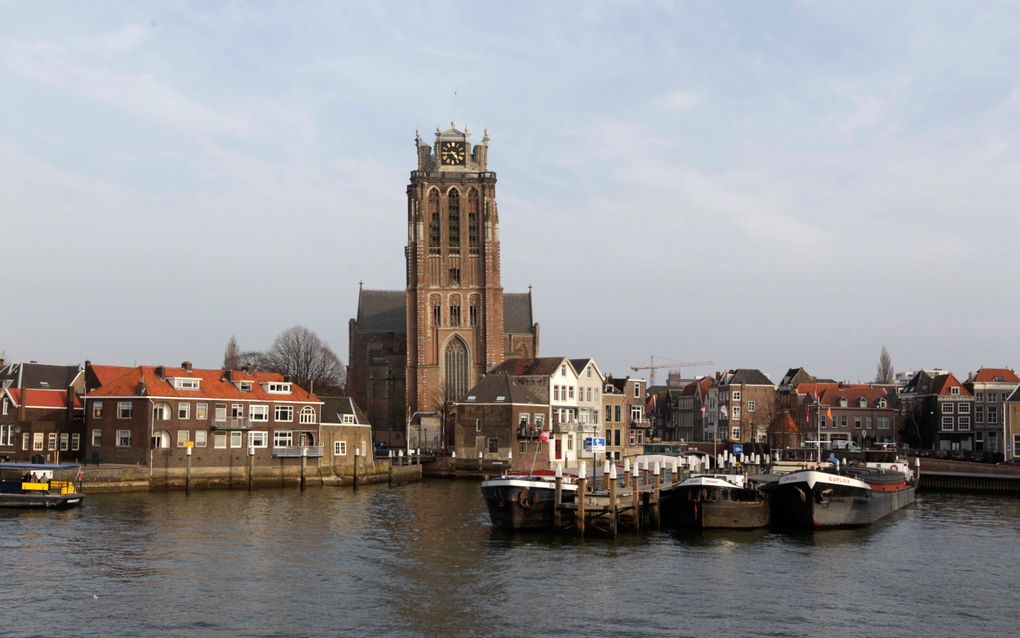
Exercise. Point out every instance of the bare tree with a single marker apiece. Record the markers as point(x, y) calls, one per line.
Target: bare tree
point(232, 355)
point(885, 373)
point(306, 359)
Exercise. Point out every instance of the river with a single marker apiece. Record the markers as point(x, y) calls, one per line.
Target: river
point(421, 560)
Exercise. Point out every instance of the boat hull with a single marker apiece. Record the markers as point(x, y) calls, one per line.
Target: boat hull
point(520, 504)
point(714, 508)
point(807, 505)
point(41, 501)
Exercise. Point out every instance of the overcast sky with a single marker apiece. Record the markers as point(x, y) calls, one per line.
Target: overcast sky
point(756, 184)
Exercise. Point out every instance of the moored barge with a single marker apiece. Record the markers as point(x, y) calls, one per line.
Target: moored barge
point(715, 501)
point(525, 501)
point(32, 485)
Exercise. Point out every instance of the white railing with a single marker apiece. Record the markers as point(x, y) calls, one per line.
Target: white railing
point(298, 451)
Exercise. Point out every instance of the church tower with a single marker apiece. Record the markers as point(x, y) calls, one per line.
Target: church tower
point(454, 299)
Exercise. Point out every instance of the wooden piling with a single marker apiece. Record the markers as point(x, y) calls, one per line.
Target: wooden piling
point(558, 500)
point(357, 455)
point(582, 484)
point(656, 484)
point(635, 481)
point(187, 474)
point(304, 465)
point(251, 467)
point(613, 510)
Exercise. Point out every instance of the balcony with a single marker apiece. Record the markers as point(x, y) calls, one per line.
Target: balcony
point(297, 451)
point(232, 423)
point(644, 425)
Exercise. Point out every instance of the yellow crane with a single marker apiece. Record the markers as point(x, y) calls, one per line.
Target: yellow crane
point(672, 365)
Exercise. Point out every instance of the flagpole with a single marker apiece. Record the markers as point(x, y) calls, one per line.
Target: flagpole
point(818, 423)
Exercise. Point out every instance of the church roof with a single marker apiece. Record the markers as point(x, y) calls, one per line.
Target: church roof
point(386, 311)
point(382, 311)
point(500, 387)
point(517, 313)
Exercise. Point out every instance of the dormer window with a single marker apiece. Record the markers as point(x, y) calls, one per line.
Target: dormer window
point(881, 403)
point(862, 403)
point(278, 387)
point(348, 419)
point(842, 402)
point(244, 386)
point(186, 383)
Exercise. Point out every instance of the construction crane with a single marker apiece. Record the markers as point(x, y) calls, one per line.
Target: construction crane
point(677, 365)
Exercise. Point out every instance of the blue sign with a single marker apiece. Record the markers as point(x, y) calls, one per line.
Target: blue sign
point(738, 449)
point(595, 444)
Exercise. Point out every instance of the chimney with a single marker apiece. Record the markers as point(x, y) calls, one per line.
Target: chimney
point(247, 368)
point(286, 378)
point(140, 388)
point(159, 371)
point(228, 375)
point(186, 365)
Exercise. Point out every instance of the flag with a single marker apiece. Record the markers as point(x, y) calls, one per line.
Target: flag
point(722, 411)
point(703, 412)
point(828, 413)
point(543, 436)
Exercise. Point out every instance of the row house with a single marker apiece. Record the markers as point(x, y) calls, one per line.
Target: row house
point(991, 388)
point(41, 415)
point(616, 422)
point(859, 413)
point(745, 400)
point(938, 411)
point(694, 408)
point(634, 397)
point(501, 418)
point(151, 415)
point(590, 382)
point(663, 409)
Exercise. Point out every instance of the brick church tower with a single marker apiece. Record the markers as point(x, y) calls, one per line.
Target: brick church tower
point(454, 295)
point(420, 349)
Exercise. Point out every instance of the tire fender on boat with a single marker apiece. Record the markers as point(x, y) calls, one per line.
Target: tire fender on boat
point(894, 468)
point(524, 498)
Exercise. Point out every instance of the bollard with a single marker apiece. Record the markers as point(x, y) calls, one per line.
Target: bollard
point(304, 463)
point(558, 498)
point(187, 474)
point(655, 495)
point(580, 498)
point(251, 466)
point(636, 495)
point(357, 455)
point(612, 500)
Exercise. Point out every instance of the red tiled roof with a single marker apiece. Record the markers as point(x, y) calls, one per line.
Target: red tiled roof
point(116, 381)
point(944, 382)
point(853, 393)
point(39, 398)
point(986, 375)
point(811, 388)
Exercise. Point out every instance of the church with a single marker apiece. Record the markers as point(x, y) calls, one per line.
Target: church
point(420, 349)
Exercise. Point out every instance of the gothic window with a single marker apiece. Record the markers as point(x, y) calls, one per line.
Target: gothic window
point(473, 222)
point(473, 312)
point(434, 237)
point(455, 276)
point(456, 361)
point(455, 310)
point(453, 215)
point(436, 311)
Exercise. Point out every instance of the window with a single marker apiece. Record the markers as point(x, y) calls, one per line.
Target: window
point(258, 413)
point(453, 218)
point(220, 440)
point(202, 411)
point(472, 233)
point(862, 402)
point(283, 438)
point(38, 441)
point(589, 395)
point(26, 440)
point(963, 408)
point(609, 413)
point(947, 408)
point(993, 414)
point(478, 425)
point(124, 409)
point(97, 437)
point(284, 413)
point(979, 397)
point(201, 438)
point(736, 395)
point(947, 423)
point(339, 448)
point(979, 414)
point(236, 410)
point(539, 421)
point(1016, 445)
point(258, 438)
point(842, 402)
point(955, 391)
point(735, 434)
point(493, 446)
point(563, 370)
point(184, 411)
point(867, 423)
point(556, 393)
point(186, 383)
point(436, 316)
point(235, 439)
point(65, 440)
point(279, 387)
point(883, 423)
point(97, 409)
point(523, 447)
point(735, 414)
point(570, 443)
point(857, 423)
point(244, 386)
point(434, 229)
point(51, 441)
point(637, 390)
point(123, 438)
point(882, 403)
point(619, 413)
point(183, 436)
point(963, 423)
point(473, 313)
point(570, 391)
point(523, 421)
point(844, 421)
point(75, 442)
point(454, 280)
point(635, 413)
point(307, 415)
point(161, 412)
point(750, 406)
point(616, 438)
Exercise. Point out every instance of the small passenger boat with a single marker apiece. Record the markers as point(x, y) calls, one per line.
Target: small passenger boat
point(715, 501)
point(29, 485)
point(526, 501)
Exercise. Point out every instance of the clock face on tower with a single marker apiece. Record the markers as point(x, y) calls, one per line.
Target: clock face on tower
point(452, 153)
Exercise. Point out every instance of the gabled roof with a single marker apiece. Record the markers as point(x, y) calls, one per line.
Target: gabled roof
point(532, 367)
point(796, 376)
point(993, 375)
point(581, 364)
point(748, 376)
point(500, 387)
point(853, 393)
point(517, 317)
point(38, 375)
point(944, 382)
point(334, 409)
point(117, 381)
point(44, 399)
point(382, 311)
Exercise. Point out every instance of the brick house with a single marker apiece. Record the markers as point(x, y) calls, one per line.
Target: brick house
point(41, 415)
point(151, 415)
point(991, 388)
point(938, 411)
point(1012, 408)
point(860, 413)
point(634, 397)
point(746, 405)
point(500, 418)
point(344, 433)
point(615, 422)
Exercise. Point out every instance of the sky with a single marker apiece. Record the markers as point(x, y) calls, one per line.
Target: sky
point(762, 185)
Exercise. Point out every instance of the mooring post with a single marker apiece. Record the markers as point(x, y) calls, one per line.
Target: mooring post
point(656, 485)
point(357, 456)
point(636, 498)
point(558, 499)
point(304, 464)
point(251, 466)
point(581, 484)
point(612, 500)
point(479, 462)
point(187, 474)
